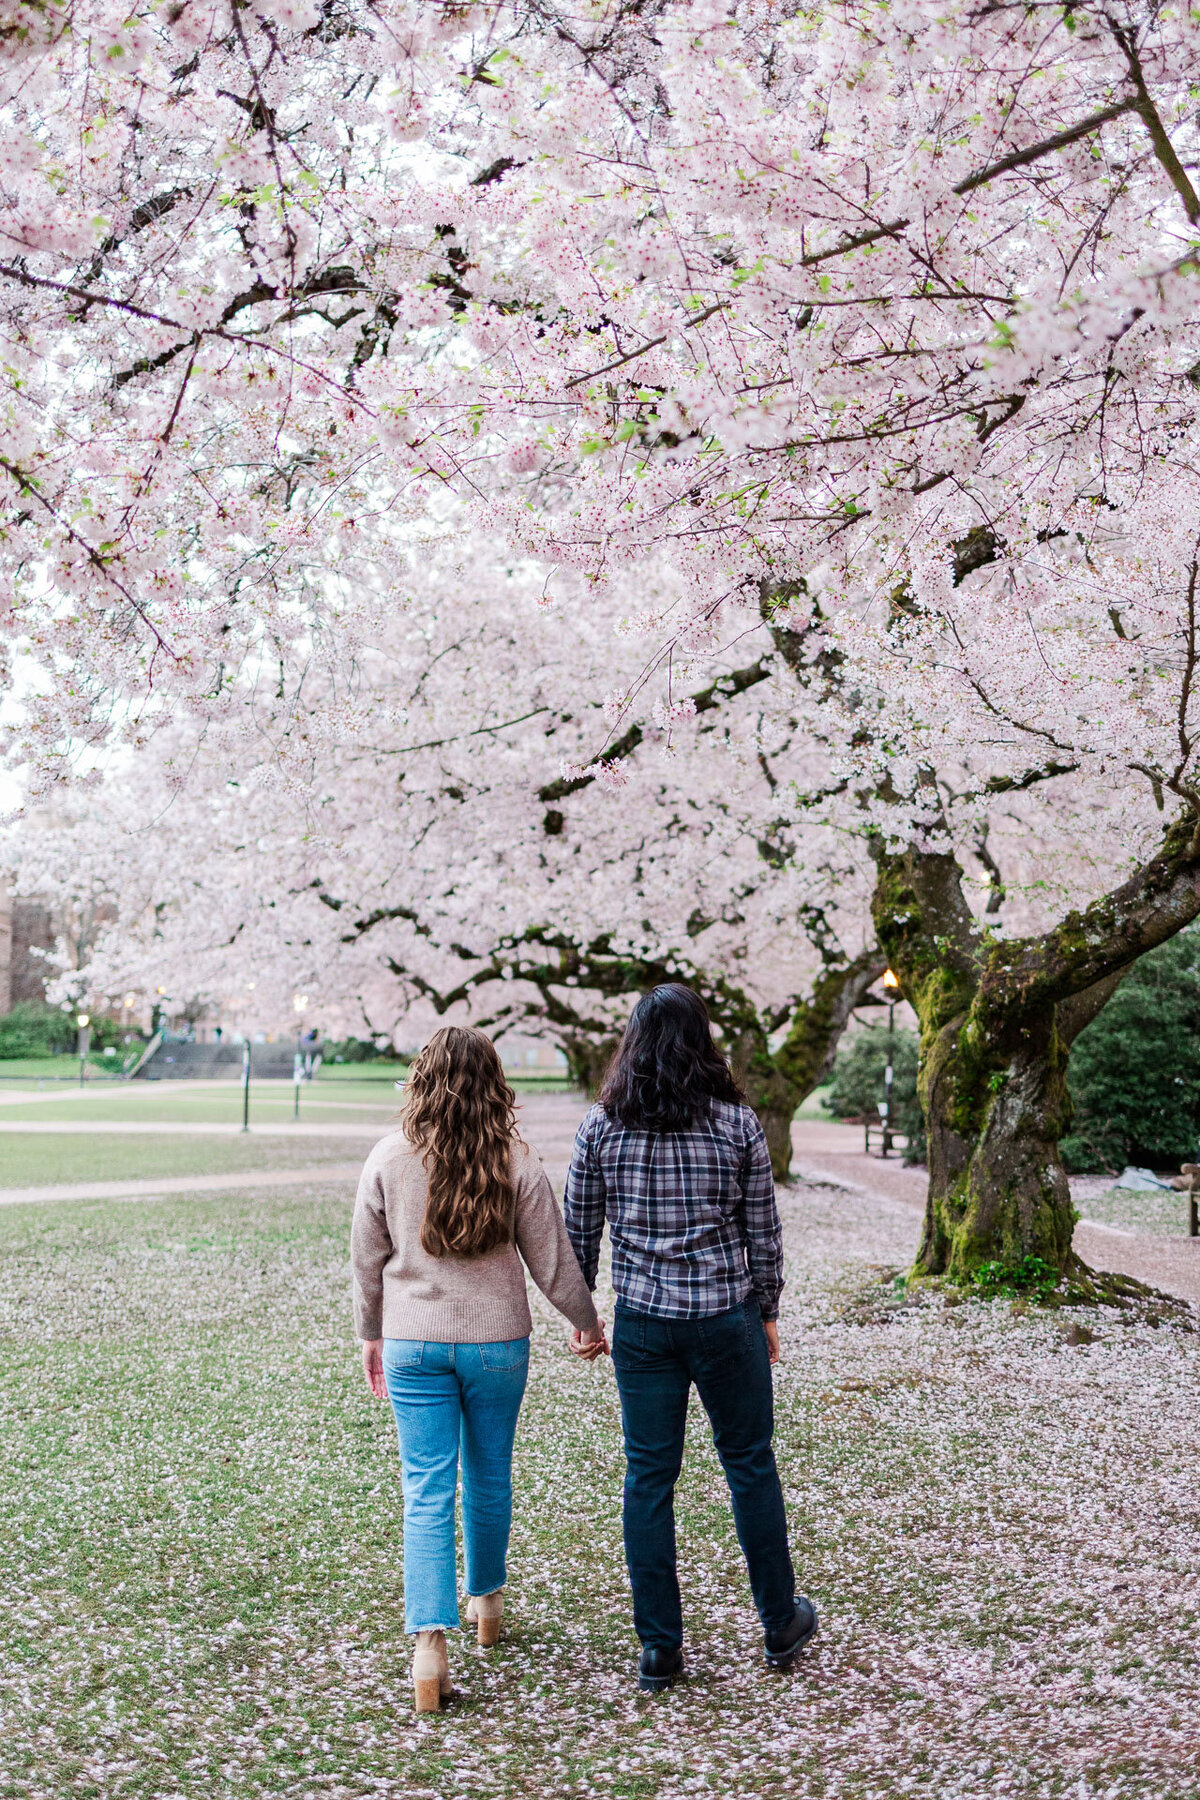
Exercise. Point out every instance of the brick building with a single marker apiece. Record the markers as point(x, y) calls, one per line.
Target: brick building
point(25, 927)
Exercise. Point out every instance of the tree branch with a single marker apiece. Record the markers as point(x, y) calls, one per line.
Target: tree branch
point(1104, 938)
point(1144, 106)
point(725, 687)
point(1015, 159)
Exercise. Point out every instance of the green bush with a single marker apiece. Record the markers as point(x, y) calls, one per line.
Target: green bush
point(1134, 1074)
point(358, 1050)
point(32, 1029)
point(858, 1085)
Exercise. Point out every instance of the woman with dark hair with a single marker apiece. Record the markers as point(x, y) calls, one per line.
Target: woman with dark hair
point(444, 1206)
point(678, 1164)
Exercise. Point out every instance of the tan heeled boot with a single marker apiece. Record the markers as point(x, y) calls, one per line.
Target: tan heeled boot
point(484, 1611)
point(430, 1671)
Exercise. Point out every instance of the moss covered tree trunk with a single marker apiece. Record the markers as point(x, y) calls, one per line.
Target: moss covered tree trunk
point(777, 1080)
point(770, 1092)
point(997, 1021)
point(997, 1188)
point(587, 1059)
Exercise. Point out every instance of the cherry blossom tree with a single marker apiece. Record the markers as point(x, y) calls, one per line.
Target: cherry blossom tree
point(919, 393)
point(390, 844)
point(878, 323)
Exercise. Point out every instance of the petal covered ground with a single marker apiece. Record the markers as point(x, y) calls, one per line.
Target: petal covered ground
point(200, 1536)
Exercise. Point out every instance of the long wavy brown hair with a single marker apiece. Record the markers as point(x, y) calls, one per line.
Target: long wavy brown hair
point(459, 1111)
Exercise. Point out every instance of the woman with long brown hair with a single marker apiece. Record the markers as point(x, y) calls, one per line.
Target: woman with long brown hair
point(447, 1209)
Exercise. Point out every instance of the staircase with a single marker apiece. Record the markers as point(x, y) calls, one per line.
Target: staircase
point(214, 1062)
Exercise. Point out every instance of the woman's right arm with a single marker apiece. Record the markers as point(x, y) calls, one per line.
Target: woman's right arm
point(543, 1242)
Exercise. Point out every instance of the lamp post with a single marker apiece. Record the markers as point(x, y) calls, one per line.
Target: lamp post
point(83, 1021)
point(299, 1002)
point(246, 1083)
point(891, 987)
point(250, 987)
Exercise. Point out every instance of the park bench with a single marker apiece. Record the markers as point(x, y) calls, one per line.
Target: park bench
point(1188, 1182)
point(875, 1124)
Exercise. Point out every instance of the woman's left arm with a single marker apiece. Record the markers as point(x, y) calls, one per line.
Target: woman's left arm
point(370, 1247)
point(543, 1242)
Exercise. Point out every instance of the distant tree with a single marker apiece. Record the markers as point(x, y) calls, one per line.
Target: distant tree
point(1134, 1074)
point(858, 1084)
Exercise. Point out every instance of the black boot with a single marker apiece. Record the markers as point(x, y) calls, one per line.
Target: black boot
point(782, 1647)
point(659, 1668)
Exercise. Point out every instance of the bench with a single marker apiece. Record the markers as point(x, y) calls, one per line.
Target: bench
point(1188, 1182)
point(878, 1127)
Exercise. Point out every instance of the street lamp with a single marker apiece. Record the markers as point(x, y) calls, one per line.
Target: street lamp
point(299, 1002)
point(891, 987)
point(250, 987)
point(83, 1021)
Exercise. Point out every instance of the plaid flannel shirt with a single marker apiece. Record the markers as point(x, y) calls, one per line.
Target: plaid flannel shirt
point(691, 1214)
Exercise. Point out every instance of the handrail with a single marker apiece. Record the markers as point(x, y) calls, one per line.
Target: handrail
point(154, 1044)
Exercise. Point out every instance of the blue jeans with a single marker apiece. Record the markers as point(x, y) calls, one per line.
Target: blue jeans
point(656, 1361)
point(448, 1397)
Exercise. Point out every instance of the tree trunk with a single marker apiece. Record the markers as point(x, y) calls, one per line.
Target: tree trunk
point(994, 1112)
point(997, 1021)
point(777, 1081)
point(587, 1060)
point(768, 1090)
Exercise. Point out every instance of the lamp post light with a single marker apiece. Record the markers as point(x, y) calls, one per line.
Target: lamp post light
point(83, 1021)
point(891, 987)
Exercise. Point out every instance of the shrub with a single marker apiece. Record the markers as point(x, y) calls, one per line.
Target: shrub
point(1134, 1074)
point(356, 1050)
point(32, 1029)
point(858, 1085)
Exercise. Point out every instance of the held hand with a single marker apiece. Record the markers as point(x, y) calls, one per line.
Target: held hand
point(591, 1343)
point(771, 1327)
point(372, 1355)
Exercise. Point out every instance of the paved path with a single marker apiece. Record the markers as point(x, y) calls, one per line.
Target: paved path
point(835, 1153)
point(290, 1128)
point(322, 1175)
point(821, 1152)
point(28, 1095)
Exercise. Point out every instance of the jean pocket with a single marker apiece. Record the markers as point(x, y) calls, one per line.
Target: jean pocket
point(511, 1353)
point(402, 1353)
point(628, 1334)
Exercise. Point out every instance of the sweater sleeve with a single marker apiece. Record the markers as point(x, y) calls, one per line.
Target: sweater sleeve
point(370, 1248)
point(543, 1242)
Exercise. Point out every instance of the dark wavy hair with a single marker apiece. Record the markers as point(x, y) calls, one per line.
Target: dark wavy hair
point(666, 1068)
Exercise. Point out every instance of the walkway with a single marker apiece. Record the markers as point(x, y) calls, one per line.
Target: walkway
point(322, 1175)
point(289, 1128)
point(834, 1154)
point(827, 1153)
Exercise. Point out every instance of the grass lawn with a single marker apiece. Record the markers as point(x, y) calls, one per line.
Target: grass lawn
point(364, 1100)
point(1161, 1214)
point(26, 1069)
point(200, 1541)
point(811, 1107)
point(49, 1160)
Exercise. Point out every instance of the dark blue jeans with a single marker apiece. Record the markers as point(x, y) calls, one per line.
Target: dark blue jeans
point(656, 1362)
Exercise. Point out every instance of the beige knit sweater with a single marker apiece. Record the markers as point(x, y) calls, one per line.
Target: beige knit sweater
point(400, 1291)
